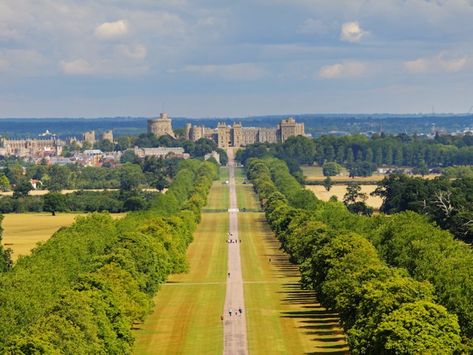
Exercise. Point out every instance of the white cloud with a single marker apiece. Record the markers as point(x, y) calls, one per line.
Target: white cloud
point(135, 51)
point(352, 32)
point(437, 64)
point(77, 67)
point(342, 70)
point(453, 65)
point(312, 26)
point(237, 72)
point(112, 30)
point(416, 66)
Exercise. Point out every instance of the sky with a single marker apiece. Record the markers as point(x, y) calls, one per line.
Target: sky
point(221, 58)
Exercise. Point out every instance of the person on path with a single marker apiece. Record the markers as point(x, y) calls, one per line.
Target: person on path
point(239, 310)
point(230, 312)
point(228, 274)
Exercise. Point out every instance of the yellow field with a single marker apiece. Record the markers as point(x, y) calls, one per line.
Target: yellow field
point(341, 190)
point(314, 173)
point(23, 231)
point(65, 192)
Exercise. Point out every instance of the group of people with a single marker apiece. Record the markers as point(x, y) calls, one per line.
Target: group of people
point(231, 312)
point(233, 240)
point(230, 240)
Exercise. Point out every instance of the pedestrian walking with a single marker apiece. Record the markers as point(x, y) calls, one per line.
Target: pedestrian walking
point(230, 312)
point(239, 310)
point(228, 274)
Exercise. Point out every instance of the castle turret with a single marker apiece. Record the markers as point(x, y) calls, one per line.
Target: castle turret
point(161, 126)
point(107, 136)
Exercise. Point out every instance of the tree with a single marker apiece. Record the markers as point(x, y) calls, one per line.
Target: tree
point(331, 168)
point(58, 178)
point(328, 183)
point(22, 188)
point(54, 202)
point(129, 157)
point(131, 177)
point(420, 328)
point(4, 183)
point(355, 200)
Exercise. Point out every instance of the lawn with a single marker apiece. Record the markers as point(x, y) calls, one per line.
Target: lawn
point(341, 190)
point(186, 319)
point(281, 317)
point(218, 199)
point(246, 198)
point(24, 230)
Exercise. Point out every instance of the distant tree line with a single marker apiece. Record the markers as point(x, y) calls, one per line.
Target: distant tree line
point(400, 284)
point(81, 291)
point(362, 155)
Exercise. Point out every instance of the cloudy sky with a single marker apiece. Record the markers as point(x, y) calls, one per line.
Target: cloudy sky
point(205, 58)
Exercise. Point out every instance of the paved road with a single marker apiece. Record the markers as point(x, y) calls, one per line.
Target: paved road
point(234, 329)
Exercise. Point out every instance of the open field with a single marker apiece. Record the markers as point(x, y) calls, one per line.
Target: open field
point(281, 318)
point(23, 231)
point(314, 173)
point(341, 190)
point(65, 192)
point(186, 319)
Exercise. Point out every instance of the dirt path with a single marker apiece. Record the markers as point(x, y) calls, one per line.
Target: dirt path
point(234, 329)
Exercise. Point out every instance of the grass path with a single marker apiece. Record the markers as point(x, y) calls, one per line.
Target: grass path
point(186, 319)
point(282, 319)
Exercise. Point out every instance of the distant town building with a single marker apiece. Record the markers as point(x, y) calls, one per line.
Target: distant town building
point(89, 137)
point(107, 136)
point(161, 126)
point(161, 152)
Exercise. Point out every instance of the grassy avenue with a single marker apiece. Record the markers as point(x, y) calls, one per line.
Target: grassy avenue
point(281, 318)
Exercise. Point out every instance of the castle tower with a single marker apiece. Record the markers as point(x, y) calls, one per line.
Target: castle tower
point(161, 126)
point(237, 135)
point(89, 137)
point(107, 136)
point(187, 131)
point(290, 128)
point(223, 136)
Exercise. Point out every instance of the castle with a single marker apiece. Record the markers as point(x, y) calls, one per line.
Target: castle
point(29, 147)
point(230, 136)
point(161, 126)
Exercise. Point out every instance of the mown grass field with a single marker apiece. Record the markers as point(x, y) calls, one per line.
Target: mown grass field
point(246, 198)
point(23, 231)
point(281, 318)
point(340, 190)
point(186, 319)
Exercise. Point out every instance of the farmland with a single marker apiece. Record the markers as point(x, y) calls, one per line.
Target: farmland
point(23, 231)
